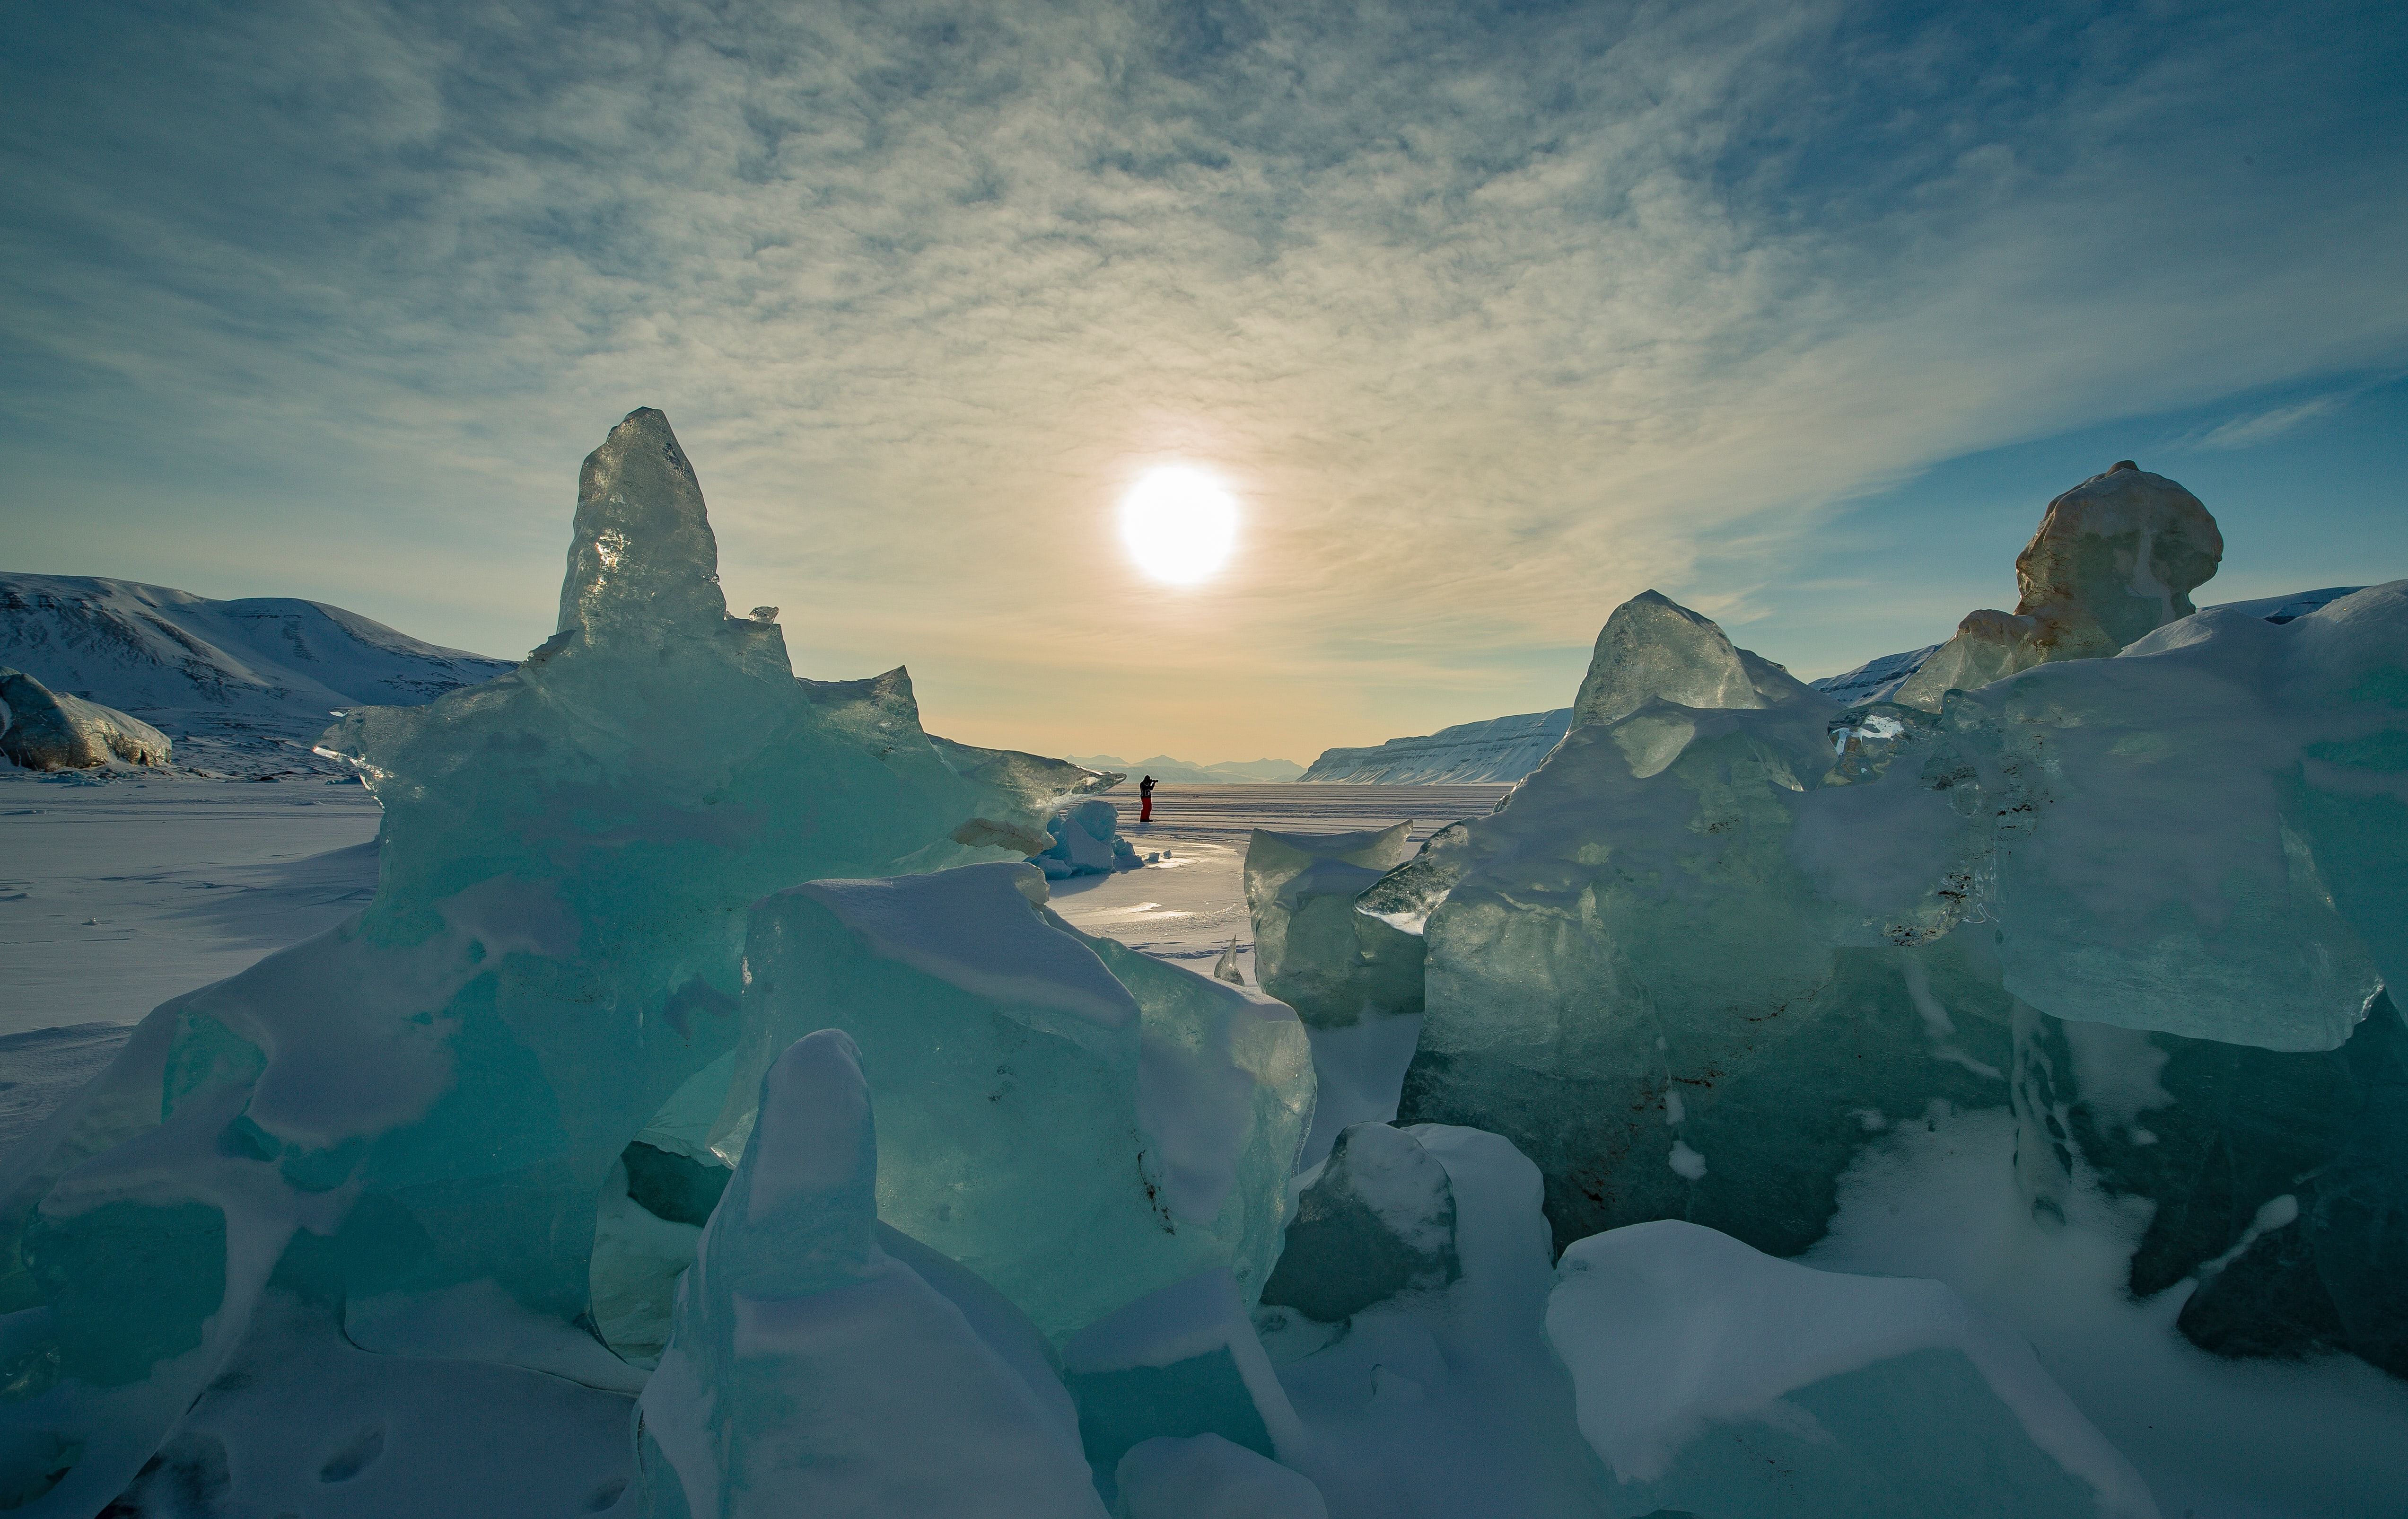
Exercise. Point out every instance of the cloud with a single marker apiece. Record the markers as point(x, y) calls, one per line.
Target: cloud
point(2246, 432)
point(1496, 315)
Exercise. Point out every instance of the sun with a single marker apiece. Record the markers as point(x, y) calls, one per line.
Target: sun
point(1179, 523)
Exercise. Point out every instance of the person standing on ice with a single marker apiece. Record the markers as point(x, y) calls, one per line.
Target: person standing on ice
point(1145, 800)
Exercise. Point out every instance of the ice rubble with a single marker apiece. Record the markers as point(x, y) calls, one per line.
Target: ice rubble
point(2107, 937)
point(409, 1121)
point(1083, 839)
point(45, 730)
point(1729, 935)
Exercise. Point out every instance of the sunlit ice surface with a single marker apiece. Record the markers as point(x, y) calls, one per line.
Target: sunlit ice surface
point(1179, 523)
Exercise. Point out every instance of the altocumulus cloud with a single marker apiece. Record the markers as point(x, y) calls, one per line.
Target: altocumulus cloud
point(1494, 314)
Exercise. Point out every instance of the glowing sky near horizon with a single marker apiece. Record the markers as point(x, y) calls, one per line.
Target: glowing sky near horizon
point(1490, 315)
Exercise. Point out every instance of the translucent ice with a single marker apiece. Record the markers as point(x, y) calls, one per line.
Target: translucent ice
point(1076, 1122)
point(1311, 949)
point(1699, 959)
point(1016, 774)
point(1654, 649)
point(1715, 1380)
point(813, 1371)
point(2277, 1180)
point(412, 1118)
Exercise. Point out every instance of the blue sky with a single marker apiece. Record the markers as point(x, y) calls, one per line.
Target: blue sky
point(1494, 315)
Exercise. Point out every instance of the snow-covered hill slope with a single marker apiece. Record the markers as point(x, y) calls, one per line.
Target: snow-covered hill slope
point(1500, 749)
point(237, 684)
point(1875, 678)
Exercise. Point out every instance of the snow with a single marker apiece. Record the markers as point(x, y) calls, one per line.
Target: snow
point(2213, 1438)
point(1875, 679)
point(1878, 679)
point(1729, 1336)
point(116, 897)
point(1190, 904)
point(1207, 1477)
point(956, 926)
point(242, 686)
point(1497, 749)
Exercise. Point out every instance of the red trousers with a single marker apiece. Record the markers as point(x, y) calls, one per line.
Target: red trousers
point(1145, 806)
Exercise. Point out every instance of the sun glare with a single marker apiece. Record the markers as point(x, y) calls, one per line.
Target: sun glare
point(1179, 523)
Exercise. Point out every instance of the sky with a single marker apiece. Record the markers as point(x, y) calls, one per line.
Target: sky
point(1490, 315)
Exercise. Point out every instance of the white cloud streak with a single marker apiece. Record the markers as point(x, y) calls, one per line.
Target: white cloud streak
point(2248, 432)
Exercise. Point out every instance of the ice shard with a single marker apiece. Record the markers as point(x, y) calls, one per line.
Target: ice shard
point(1076, 1124)
point(813, 1371)
point(412, 1118)
point(1654, 649)
point(1313, 950)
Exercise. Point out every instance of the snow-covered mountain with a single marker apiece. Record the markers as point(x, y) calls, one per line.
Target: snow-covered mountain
point(1499, 749)
point(1875, 678)
point(1189, 772)
point(237, 684)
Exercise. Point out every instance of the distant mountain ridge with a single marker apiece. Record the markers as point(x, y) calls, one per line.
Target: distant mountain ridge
point(235, 683)
point(1497, 749)
point(1224, 773)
